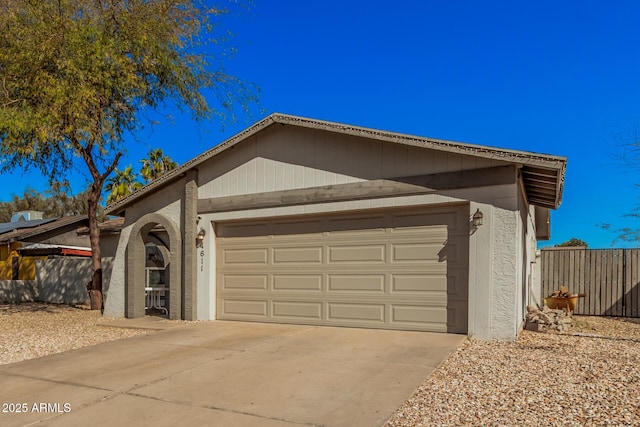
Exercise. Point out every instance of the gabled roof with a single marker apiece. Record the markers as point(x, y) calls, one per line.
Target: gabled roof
point(543, 174)
point(12, 234)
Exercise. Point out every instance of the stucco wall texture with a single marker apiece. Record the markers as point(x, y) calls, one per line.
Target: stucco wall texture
point(505, 284)
point(167, 203)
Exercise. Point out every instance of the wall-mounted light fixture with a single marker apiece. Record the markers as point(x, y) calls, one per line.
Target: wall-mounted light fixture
point(200, 238)
point(476, 219)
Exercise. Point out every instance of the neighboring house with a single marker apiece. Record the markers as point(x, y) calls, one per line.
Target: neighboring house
point(49, 259)
point(60, 232)
point(305, 221)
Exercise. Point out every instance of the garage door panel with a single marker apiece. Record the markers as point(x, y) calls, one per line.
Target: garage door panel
point(250, 308)
point(418, 283)
point(245, 256)
point(412, 252)
point(245, 282)
point(419, 315)
point(292, 310)
point(307, 255)
point(357, 234)
point(356, 283)
point(357, 254)
point(297, 282)
point(355, 312)
point(407, 271)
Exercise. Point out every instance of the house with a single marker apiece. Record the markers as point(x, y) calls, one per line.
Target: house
point(296, 220)
point(16, 235)
point(48, 259)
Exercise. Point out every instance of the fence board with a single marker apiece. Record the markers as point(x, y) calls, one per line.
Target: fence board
point(627, 283)
point(609, 300)
point(609, 277)
point(621, 288)
point(601, 296)
point(605, 290)
point(580, 279)
point(589, 305)
point(616, 303)
point(633, 289)
point(596, 285)
point(569, 267)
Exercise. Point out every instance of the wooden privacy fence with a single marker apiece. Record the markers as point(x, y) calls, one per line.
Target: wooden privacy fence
point(609, 277)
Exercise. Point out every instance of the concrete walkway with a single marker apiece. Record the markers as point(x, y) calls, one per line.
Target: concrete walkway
point(226, 374)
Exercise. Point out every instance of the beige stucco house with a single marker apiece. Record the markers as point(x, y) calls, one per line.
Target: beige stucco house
point(305, 221)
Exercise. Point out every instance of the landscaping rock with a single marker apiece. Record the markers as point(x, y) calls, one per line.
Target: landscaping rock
point(563, 380)
point(548, 319)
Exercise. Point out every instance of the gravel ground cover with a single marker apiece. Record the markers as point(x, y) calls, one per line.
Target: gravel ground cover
point(31, 330)
point(587, 377)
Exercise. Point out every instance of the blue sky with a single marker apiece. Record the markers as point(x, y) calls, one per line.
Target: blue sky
point(557, 77)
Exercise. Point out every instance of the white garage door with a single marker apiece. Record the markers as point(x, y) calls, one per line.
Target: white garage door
point(379, 269)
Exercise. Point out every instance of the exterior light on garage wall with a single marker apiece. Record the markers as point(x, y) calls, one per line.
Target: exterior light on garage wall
point(200, 237)
point(477, 217)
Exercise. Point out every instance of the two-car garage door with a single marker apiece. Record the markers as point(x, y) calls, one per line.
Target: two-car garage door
point(393, 269)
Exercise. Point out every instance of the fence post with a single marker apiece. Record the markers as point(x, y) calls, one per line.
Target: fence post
point(624, 282)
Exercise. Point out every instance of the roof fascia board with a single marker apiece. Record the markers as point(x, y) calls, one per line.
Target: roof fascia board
point(514, 156)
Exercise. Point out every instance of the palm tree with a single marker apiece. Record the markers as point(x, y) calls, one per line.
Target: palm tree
point(156, 165)
point(122, 184)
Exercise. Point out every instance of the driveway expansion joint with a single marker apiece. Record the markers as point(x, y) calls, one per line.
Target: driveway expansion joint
point(217, 408)
point(54, 381)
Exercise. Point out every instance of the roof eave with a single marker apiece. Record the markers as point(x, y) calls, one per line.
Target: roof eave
point(546, 161)
point(508, 155)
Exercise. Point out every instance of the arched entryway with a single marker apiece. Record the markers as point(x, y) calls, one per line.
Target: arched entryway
point(157, 269)
point(141, 239)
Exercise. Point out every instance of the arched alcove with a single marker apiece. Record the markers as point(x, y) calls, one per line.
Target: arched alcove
point(136, 264)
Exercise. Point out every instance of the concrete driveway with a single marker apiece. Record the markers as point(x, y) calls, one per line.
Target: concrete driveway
point(226, 374)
